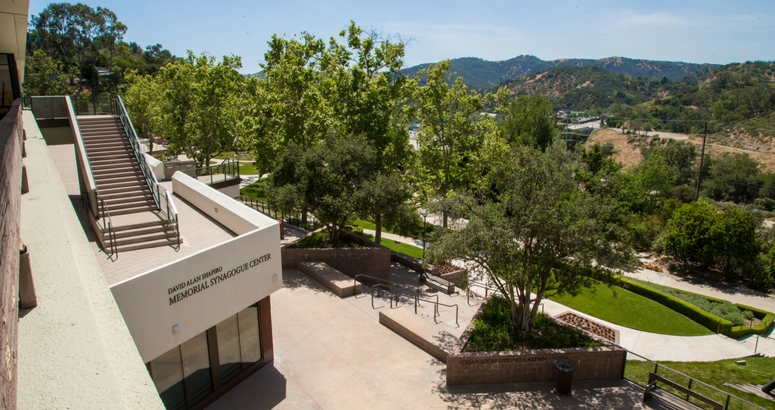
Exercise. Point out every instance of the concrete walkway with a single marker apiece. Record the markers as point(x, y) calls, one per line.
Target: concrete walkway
point(743, 296)
point(681, 348)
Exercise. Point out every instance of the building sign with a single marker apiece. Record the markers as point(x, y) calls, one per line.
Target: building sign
point(210, 279)
point(505, 360)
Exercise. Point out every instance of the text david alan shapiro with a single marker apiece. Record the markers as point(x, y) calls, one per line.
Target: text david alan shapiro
point(210, 278)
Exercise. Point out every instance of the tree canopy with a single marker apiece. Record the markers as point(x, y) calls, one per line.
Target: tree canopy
point(541, 235)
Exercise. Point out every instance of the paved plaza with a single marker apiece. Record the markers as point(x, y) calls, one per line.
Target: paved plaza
point(332, 353)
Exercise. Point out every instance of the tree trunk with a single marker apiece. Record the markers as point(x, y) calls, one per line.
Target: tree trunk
point(378, 229)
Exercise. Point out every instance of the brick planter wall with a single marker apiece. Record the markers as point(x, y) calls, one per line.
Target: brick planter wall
point(374, 261)
point(457, 277)
point(530, 366)
point(534, 365)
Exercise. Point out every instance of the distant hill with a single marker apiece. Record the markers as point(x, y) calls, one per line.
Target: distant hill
point(592, 87)
point(483, 74)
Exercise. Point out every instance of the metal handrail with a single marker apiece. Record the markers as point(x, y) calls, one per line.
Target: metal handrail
point(267, 210)
point(107, 224)
point(381, 286)
point(436, 305)
point(117, 106)
point(386, 282)
point(486, 289)
point(157, 191)
point(226, 168)
point(693, 381)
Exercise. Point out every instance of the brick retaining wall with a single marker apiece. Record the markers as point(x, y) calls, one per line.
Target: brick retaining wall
point(11, 129)
point(374, 261)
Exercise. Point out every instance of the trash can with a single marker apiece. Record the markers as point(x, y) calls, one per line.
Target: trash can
point(564, 378)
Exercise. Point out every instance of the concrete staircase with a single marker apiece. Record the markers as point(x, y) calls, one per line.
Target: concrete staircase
point(122, 186)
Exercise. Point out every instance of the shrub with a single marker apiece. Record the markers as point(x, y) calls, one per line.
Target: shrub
point(726, 240)
point(493, 331)
point(709, 320)
point(720, 308)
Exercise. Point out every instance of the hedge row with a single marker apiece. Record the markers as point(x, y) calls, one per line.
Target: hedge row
point(710, 321)
point(760, 328)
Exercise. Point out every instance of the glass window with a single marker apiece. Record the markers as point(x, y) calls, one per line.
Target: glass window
point(196, 369)
point(228, 348)
point(168, 378)
point(250, 340)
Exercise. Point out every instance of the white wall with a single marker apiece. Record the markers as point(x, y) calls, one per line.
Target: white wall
point(149, 303)
point(156, 165)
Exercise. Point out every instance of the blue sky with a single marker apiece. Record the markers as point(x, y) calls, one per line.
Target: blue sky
point(694, 31)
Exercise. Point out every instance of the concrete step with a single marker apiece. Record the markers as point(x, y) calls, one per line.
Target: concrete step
point(105, 177)
point(138, 205)
point(129, 195)
point(119, 187)
point(146, 245)
point(134, 210)
point(142, 232)
point(117, 156)
point(140, 225)
point(145, 238)
point(110, 149)
point(104, 168)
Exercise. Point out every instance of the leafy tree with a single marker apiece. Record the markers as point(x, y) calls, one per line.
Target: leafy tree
point(372, 94)
point(197, 106)
point(529, 121)
point(678, 154)
point(45, 76)
point(384, 198)
point(57, 30)
point(738, 239)
point(141, 98)
point(298, 112)
point(80, 37)
point(541, 235)
point(691, 233)
point(725, 239)
point(733, 177)
point(451, 134)
point(653, 181)
point(325, 178)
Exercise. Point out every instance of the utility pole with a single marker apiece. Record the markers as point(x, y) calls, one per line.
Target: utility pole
point(702, 158)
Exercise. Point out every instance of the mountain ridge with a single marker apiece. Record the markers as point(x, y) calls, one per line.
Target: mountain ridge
point(478, 73)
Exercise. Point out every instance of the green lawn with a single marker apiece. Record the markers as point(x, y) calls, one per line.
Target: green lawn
point(394, 246)
point(758, 370)
point(415, 231)
point(628, 309)
point(247, 168)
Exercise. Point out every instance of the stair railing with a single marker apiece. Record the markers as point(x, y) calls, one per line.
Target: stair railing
point(161, 196)
point(229, 168)
point(107, 225)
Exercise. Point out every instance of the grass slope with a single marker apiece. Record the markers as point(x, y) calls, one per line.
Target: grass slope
point(624, 308)
point(757, 371)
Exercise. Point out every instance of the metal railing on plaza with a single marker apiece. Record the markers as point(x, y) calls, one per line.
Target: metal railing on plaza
point(291, 217)
point(225, 171)
point(393, 287)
